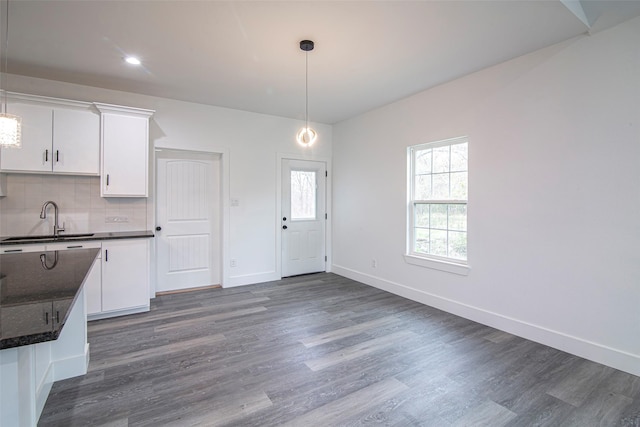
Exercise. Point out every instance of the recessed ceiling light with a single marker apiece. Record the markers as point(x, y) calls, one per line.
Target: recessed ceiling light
point(132, 60)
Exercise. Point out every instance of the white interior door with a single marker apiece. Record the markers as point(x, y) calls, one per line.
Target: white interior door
point(303, 222)
point(188, 200)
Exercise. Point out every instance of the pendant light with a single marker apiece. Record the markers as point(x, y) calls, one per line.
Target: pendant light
point(306, 136)
point(10, 125)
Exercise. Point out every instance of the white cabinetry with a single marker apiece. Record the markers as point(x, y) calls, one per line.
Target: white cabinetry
point(125, 274)
point(124, 288)
point(58, 136)
point(93, 287)
point(125, 151)
point(28, 372)
point(76, 142)
point(12, 249)
point(118, 283)
point(37, 138)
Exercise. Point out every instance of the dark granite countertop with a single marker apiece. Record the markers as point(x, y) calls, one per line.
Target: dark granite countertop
point(37, 292)
point(70, 237)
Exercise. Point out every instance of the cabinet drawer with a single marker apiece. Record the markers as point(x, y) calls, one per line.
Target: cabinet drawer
point(11, 249)
point(65, 246)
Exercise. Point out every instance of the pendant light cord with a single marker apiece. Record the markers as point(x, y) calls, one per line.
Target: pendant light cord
point(6, 53)
point(306, 136)
point(306, 92)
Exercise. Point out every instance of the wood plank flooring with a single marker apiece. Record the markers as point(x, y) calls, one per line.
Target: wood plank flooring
point(323, 350)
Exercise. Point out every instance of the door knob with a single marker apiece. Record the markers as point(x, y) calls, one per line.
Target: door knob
point(284, 218)
point(158, 228)
point(284, 227)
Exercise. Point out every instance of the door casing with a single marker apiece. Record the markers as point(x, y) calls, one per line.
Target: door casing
point(328, 207)
point(223, 153)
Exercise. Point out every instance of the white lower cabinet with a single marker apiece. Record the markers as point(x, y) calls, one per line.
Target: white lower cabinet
point(125, 275)
point(93, 288)
point(119, 282)
point(16, 249)
point(123, 285)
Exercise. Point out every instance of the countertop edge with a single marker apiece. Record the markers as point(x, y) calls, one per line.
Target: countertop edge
point(24, 340)
point(97, 236)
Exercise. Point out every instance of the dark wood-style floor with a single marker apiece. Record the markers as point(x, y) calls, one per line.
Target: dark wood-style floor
point(322, 350)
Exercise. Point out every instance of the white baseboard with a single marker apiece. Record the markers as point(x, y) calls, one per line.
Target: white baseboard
point(599, 353)
point(116, 313)
point(251, 279)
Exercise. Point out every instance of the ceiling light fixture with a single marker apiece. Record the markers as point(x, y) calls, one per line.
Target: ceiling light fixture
point(10, 125)
point(132, 60)
point(306, 136)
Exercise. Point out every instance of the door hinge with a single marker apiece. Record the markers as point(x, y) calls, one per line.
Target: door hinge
point(325, 258)
point(326, 174)
point(325, 216)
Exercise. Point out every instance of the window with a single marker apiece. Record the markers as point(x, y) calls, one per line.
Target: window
point(438, 176)
point(303, 195)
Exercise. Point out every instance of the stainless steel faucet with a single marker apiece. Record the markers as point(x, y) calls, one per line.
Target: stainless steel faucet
point(43, 214)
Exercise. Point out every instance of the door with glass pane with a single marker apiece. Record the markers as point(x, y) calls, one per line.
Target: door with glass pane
point(303, 217)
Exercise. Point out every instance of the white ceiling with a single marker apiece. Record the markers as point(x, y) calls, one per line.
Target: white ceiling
point(245, 54)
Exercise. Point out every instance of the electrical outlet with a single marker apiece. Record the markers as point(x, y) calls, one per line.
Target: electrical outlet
point(374, 263)
point(233, 263)
point(114, 219)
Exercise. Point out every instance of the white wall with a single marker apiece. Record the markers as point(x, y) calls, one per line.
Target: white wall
point(554, 198)
point(249, 143)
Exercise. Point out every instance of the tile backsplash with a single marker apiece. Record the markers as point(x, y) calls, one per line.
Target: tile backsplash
point(80, 206)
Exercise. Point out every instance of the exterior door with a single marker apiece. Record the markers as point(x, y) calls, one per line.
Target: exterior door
point(188, 193)
point(303, 221)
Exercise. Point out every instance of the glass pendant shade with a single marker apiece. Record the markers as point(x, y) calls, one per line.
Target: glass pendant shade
point(10, 131)
point(306, 136)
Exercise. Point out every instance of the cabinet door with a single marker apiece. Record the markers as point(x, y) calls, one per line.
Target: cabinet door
point(93, 288)
point(125, 154)
point(35, 154)
point(76, 142)
point(125, 278)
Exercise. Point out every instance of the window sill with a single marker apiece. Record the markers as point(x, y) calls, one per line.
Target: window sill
point(449, 267)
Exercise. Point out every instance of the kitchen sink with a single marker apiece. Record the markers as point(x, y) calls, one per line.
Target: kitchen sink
point(47, 237)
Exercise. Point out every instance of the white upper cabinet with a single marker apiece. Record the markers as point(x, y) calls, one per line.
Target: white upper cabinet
point(37, 139)
point(76, 142)
point(125, 151)
point(58, 136)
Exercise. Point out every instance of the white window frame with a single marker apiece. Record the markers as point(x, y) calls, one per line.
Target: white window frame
point(447, 264)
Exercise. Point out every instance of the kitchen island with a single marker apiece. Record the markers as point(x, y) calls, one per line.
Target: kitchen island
point(43, 332)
